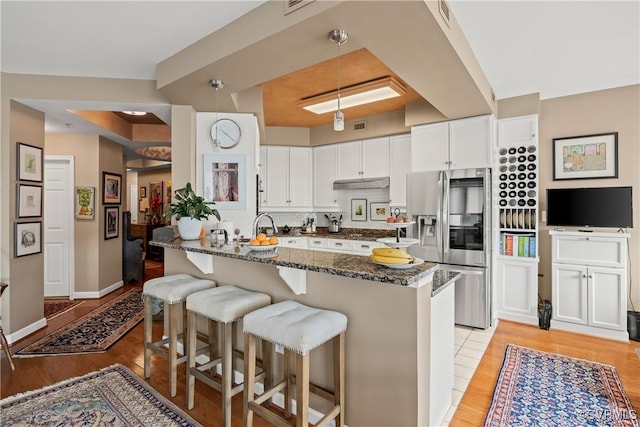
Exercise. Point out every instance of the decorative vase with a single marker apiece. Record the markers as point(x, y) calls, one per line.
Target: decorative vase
point(189, 228)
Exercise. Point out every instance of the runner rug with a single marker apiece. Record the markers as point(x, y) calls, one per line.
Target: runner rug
point(544, 389)
point(113, 396)
point(94, 332)
point(53, 308)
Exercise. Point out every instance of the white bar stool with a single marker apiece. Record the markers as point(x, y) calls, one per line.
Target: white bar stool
point(172, 291)
point(222, 305)
point(299, 329)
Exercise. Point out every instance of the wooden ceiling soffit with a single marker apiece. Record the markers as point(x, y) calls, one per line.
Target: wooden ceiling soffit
point(131, 131)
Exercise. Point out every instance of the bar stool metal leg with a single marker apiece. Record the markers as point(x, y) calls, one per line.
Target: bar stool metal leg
point(6, 349)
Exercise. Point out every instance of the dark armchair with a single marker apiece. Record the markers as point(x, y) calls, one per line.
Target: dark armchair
point(132, 252)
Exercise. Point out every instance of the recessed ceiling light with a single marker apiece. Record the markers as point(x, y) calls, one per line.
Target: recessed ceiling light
point(135, 113)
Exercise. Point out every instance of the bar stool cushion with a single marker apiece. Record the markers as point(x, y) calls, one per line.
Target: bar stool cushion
point(226, 303)
point(175, 288)
point(295, 326)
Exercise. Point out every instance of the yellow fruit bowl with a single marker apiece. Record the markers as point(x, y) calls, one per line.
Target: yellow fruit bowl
point(416, 262)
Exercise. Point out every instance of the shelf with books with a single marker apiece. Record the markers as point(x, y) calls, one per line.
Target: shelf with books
point(518, 245)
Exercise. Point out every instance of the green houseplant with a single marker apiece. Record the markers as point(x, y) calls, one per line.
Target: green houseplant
point(190, 209)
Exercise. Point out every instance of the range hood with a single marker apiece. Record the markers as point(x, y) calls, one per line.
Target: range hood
point(361, 183)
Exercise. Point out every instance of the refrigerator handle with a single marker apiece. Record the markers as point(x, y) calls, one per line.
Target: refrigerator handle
point(445, 213)
point(439, 218)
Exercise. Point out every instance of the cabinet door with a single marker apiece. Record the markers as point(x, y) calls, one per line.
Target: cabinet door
point(262, 197)
point(300, 168)
point(517, 289)
point(470, 143)
point(317, 243)
point(569, 293)
point(375, 157)
point(325, 171)
point(399, 165)
point(293, 242)
point(518, 131)
point(349, 155)
point(277, 177)
point(607, 298)
point(430, 147)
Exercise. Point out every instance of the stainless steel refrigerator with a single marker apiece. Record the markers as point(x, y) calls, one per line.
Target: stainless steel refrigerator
point(452, 214)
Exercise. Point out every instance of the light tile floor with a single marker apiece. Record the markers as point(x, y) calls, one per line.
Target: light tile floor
point(470, 344)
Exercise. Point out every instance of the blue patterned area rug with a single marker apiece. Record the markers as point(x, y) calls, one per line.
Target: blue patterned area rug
point(94, 332)
point(113, 396)
point(543, 389)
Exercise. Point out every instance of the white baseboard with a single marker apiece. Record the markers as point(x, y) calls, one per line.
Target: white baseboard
point(591, 330)
point(29, 329)
point(100, 293)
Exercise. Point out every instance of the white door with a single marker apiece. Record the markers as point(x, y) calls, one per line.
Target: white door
point(58, 226)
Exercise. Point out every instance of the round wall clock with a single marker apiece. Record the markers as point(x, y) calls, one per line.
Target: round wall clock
point(225, 133)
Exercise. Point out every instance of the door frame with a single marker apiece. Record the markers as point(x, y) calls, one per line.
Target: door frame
point(69, 160)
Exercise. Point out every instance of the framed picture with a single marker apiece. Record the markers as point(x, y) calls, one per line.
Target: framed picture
point(379, 211)
point(168, 196)
point(29, 201)
point(28, 238)
point(111, 225)
point(156, 196)
point(143, 192)
point(111, 188)
point(85, 205)
point(224, 180)
point(29, 163)
point(358, 209)
point(586, 157)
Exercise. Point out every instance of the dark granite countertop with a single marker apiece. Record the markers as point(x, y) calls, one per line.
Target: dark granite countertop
point(367, 234)
point(355, 266)
point(442, 279)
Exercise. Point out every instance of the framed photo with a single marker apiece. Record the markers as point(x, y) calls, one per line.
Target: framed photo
point(111, 219)
point(586, 157)
point(29, 201)
point(143, 192)
point(379, 211)
point(358, 209)
point(224, 180)
point(156, 199)
point(111, 188)
point(29, 163)
point(85, 205)
point(168, 196)
point(28, 238)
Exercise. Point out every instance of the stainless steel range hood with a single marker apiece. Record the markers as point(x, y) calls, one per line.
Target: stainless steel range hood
point(361, 184)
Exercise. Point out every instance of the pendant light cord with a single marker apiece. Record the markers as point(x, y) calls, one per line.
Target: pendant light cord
point(338, 76)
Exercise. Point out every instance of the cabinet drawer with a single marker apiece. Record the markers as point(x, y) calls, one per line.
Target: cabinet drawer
point(293, 242)
point(363, 248)
point(338, 245)
point(316, 243)
point(600, 251)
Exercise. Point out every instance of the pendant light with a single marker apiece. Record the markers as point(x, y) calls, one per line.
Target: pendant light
point(339, 37)
point(217, 84)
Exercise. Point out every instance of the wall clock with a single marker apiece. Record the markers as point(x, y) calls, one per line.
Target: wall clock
point(225, 133)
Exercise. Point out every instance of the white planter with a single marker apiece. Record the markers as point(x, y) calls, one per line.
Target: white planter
point(189, 228)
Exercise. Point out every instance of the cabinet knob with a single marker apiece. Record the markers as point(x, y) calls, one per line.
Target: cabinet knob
point(590, 276)
point(584, 276)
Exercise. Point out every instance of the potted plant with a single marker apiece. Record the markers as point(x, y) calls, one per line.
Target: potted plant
point(190, 209)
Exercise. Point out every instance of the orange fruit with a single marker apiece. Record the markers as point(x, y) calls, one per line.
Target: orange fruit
point(273, 240)
point(390, 219)
point(265, 243)
point(260, 237)
point(254, 242)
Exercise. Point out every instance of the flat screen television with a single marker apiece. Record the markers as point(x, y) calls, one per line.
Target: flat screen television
point(590, 207)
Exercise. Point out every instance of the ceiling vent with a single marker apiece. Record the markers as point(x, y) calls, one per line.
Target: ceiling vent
point(293, 5)
point(359, 126)
point(445, 11)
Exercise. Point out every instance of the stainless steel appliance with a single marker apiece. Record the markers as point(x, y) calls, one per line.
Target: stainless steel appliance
point(452, 214)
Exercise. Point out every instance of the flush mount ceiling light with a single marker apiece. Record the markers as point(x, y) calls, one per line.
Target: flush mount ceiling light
point(159, 152)
point(358, 94)
point(135, 113)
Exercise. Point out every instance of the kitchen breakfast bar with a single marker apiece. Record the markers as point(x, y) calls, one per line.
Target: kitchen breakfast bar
point(400, 331)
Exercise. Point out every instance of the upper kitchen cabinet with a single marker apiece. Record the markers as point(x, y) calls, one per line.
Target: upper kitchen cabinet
point(288, 178)
point(368, 158)
point(399, 162)
point(325, 171)
point(518, 131)
point(458, 144)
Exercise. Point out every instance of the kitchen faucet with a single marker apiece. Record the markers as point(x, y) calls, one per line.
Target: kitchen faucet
point(256, 222)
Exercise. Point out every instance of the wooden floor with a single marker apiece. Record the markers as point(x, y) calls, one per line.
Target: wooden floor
point(37, 372)
point(475, 403)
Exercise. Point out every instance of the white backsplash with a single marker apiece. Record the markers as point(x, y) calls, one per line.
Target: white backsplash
point(344, 202)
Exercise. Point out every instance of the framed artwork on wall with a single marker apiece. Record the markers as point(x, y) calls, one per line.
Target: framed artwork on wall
point(28, 238)
point(85, 202)
point(29, 201)
point(224, 179)
point(586, 157)
point(111, 222)
point(29, 163)
point(358, 209)
point(379, 211)
point(156, 196)
point(143, 192)
point(111, 188)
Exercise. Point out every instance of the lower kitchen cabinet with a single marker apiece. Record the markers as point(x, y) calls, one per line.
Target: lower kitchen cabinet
point(293, 242)
point(517, 289)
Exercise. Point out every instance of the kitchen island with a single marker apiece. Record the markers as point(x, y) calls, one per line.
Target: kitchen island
point(392, 339)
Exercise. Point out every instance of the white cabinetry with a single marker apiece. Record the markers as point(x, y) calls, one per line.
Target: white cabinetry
point(517, 290)
point(458, 144)
point(399, 164)
point(262, 178)
point(363, 159)
point(521, 130)
point(288, 178)
point(293, 242)
point(325, 171)
point(588, 283)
